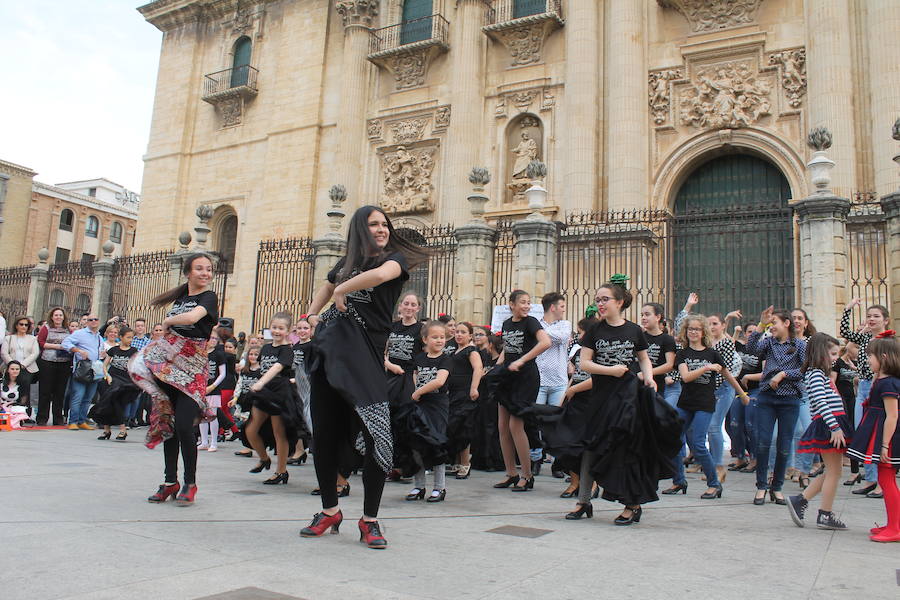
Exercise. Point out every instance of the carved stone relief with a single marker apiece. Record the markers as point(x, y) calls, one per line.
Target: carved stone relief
point(548, 100)
point(374, 129)
point(441, 118)
point(409, 68)
point(524, 43)
point(660, 93)
point(729, 95)
point(713, 15)
point(792, 68)
point(407, 179)
point(523, 100)
point(408, 130)
point(231, 110)
point(525, 143)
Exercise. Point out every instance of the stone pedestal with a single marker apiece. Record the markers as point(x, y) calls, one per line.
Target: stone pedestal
point(102, 297)
point(536, 240)
point(37, 291)
point(475, 275)
point(890, 204)
point(823, 258)
point(328, 251)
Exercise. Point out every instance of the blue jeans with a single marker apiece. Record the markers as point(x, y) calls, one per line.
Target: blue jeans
point(696, 424)
point(82, 395)
point(724, 399)
point(862, 393)
point(802, 461)
point(671, 397)
point(769, 409)
point(743, 438)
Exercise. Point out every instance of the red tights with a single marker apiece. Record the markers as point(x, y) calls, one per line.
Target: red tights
point(887, 479)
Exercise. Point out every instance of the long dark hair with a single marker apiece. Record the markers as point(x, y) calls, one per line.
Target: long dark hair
point(784, 315)
point(817, 352)
point(364, 254)
point(6, 373)
point(810, 329)
point(180, 290)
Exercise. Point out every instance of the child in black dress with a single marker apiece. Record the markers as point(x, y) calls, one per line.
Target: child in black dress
point(517, 388)
point(121, 391)
point(877, 439)
point(249, 375)
point(432, 412)
point(403, 344)
point(466, 371)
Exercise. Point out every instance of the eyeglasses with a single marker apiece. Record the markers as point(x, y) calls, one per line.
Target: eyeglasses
point(695, 329)
point(603, 299)
point(93, 319)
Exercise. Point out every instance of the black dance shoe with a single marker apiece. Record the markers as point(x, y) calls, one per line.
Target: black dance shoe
point(759, 500)
point(678, 487)
point(584, 510)
point(416, 494)
point(343, 490)
point(526, 487)
point(569, 493)
point(104, 436)
point(263, 464)
point(776, 499)
point(277, 478)
point(712, 495)
point(441, 495)
point(515, 478)
point(865, 490)
point(634, 518)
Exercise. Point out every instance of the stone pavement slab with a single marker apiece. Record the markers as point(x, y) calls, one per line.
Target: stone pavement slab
point(76, 525)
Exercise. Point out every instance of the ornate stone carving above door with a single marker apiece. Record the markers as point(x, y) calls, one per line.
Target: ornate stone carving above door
point(728, 95)
point(713, 15)
point(792, 67)
point(407, 173)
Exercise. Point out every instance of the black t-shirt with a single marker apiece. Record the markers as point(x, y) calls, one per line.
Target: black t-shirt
point(118, 364)
point(750, 364)
point(614, 346)
point(461, 369)
point(376, 305)
point(844, 384)
point(271, 355)
point(215, 359)
point(230, 381)
point(519, 337)
point(579, 375)
point(427, 369)
point(300, 350)
point(700, 394)
point(657, 348)
point(248, 378)
point(404, 343)
point(450, 347)
point(203, 328)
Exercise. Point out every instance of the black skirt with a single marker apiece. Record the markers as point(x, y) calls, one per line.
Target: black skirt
point(486, 454)
point(110, 407)
point(279, 398)
point(517, 391)
point(817, 437)
point(459, 423)
point(423, 429)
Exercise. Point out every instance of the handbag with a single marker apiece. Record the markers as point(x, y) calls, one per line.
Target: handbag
point(84, 371)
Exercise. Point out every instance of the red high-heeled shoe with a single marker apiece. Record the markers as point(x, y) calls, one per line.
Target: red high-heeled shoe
point(370, 535)
point(186, 496)
point(163, 493)
point(321, 523)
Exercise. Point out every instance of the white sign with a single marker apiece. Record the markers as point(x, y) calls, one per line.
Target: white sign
point(503, 312)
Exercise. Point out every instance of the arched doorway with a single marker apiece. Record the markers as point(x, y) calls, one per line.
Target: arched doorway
point(226, 241)
point(733, 236)
point(240, 64)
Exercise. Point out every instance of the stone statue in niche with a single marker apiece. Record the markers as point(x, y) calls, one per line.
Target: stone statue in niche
point(525, 140)
point(407, 176)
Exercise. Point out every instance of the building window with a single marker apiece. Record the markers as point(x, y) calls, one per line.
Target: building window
point(93, 227)
point(92, 192)
point(226, 241)
point(415, 25)
point(62, 256)
point(82, 304)
point(240, 66)
point(57, 298)
point(66, 218)
point(115, 232)
point(526, 8)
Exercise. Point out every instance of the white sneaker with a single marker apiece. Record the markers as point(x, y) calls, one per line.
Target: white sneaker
point(212, 449)
point(202, 447)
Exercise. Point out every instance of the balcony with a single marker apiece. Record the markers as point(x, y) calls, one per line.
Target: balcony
point(407, 48)
point(228, 90)
point(522, 26)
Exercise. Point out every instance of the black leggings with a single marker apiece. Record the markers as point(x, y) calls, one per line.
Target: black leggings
point(186, 413)
point(334, 420)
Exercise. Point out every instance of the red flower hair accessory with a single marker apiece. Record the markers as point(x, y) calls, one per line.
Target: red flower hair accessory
point(498, 333)
point(887, 333)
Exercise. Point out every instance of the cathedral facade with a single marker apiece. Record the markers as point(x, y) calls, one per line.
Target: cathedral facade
point(681, 106)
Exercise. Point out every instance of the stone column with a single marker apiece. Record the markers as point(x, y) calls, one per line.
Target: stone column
point(357, 17)
point(475, 256)
point(890, 205)
point(627, 114)
point(583, 106)
point(883, 23)
point(37, 291)
point(830, 89)
point(331, 247)
point(467, 109)
point(103, 269)
point(536, 256)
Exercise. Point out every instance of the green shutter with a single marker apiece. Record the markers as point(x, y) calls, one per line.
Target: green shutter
point(415, 27)
point(525, 8)
point(241, 64)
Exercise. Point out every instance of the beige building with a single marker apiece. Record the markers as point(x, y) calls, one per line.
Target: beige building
point(72, 220)
point(684, 106)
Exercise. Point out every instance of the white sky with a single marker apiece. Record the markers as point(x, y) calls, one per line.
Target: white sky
point(77, 89)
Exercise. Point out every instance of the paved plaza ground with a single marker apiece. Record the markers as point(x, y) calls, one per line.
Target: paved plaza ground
point(76, 525)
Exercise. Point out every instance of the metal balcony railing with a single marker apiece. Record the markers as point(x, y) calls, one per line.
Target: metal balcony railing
point(241, 78)
point(503, 11)
point(433, 29)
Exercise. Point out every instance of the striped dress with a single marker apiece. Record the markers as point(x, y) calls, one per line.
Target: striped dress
point(828, 415)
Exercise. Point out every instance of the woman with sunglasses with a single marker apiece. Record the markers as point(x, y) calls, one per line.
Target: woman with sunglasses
point(23, 347)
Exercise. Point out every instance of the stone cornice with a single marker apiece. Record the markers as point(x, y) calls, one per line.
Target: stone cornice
point(14, 169)
point(166, 15)
point(52, 191)
point(822, 207)
point(890, 205)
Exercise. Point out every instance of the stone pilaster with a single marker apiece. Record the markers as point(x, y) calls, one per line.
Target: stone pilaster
point(627, 112)
point(103, 270)
point(830, 89)
point(883, 23)
point(357, 17)
point(536, 240)
point(890, 205)
point(466, 84)
point(37, 291)
point(328, 251)
point(474, 281)
point(583, 104)
point(823, 258)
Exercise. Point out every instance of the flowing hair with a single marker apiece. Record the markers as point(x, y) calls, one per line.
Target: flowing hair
point(364, 254)
point(706, 337)
point(817, 352)
point(178, 291)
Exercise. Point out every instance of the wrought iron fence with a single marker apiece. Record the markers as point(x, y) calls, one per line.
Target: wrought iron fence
point(434, 27)
point(594, 246)
point(501, 11)
point(14, 286)
point(867, 253)
point(71, 286)
point(434, 281)
point(504, 262)
point(284, 279)
point(221, 81)
point(136, 280)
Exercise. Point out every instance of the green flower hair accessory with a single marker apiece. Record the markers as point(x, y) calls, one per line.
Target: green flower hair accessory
point(619, 279)
point(590, 312)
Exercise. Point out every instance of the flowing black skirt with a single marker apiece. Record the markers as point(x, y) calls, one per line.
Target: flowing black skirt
point(110, 407)
point(279, 398)
point(517, 391)
point(459, 423)
point(423, 429)
point(486, 454)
